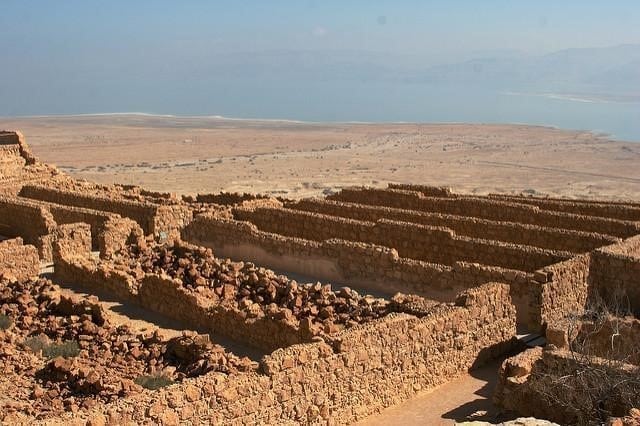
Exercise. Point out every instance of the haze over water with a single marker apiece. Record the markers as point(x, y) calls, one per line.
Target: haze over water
point(573, 64)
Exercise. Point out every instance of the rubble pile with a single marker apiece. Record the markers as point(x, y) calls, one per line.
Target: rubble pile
point(64, 355)
point(258, 291)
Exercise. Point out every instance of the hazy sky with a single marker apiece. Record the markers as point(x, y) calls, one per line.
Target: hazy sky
point(83, 28)
point(241, 57)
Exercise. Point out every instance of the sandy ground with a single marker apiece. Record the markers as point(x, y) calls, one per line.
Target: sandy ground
point(198, 154)
point(466, 398)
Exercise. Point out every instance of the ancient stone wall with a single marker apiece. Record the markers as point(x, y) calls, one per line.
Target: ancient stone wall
point(116, 233)
point(610, 337)
point(365, 265)
point(487, 209)
point(421, 242)
point(18, 165)
point(73, 264)
point(615, 274)
point(69, 214)
point(358, 372)
point(18, 260)
point(162, 221)
point(429, 191)
point(28, 220)
point(532, 235)
point(229, 198)
point(626, 211)
point(566, 388)
point(564, 288)
point(167, 297)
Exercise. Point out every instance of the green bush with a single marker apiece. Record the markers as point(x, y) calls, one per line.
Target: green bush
point(37, 343)
point(5, 322)
point(67, 349)
point(153, 382)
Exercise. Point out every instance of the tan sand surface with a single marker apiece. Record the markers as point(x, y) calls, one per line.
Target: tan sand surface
point(207, 154)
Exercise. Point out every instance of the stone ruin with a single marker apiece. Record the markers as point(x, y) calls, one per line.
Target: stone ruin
point(426, 284)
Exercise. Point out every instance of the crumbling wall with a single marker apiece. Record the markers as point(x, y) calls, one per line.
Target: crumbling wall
point(491, 209)
point(162, 221)
point(615, 274)
point(340, 381)
point(428, 190)
point(626, 211)
point(532, 235)
point(564, 288)
point(610, 337)
point(169, 298)
point(28, 220)
point(421, 242)
point(74, 264)
point(229, 198)
point(560, 386)
point(18, 165)
point(116, 234)
point(69, 214)
point(18, 260)
point(363, 265)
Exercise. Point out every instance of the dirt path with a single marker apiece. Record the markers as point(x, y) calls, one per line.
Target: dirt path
point(454, 401)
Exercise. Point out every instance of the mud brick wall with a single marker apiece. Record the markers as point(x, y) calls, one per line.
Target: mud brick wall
point(359, 372)
point(28, 220)
point(162, 221)
point(603, 209)
point(533, 235)
point(527, 380)
point(615, 274)
point(18, 260)
point(612, 338)
point(363, 265)
point(421, 242)
point(487, 209)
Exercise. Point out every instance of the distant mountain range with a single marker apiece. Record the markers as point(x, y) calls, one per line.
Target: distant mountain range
point(611, 69)
point(607, 71)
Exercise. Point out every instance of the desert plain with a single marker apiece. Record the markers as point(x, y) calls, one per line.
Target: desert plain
point(189, 155)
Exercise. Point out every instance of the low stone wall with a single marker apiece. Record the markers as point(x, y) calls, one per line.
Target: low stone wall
point(428, 190)
point(18, 260)
point(364, 265)
point(229, 198)
point(611, 337)
point(532, 235)
point(487, 209)
point(68, 214)
point(169, 298)
point(420, 242)
point(564, 288)
point(74, 264)
point(116, 233)
point(28, 220)
point(615, 274)
point(342, 380)
point(614, 210)
point(567, 388)
point(162, 221)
